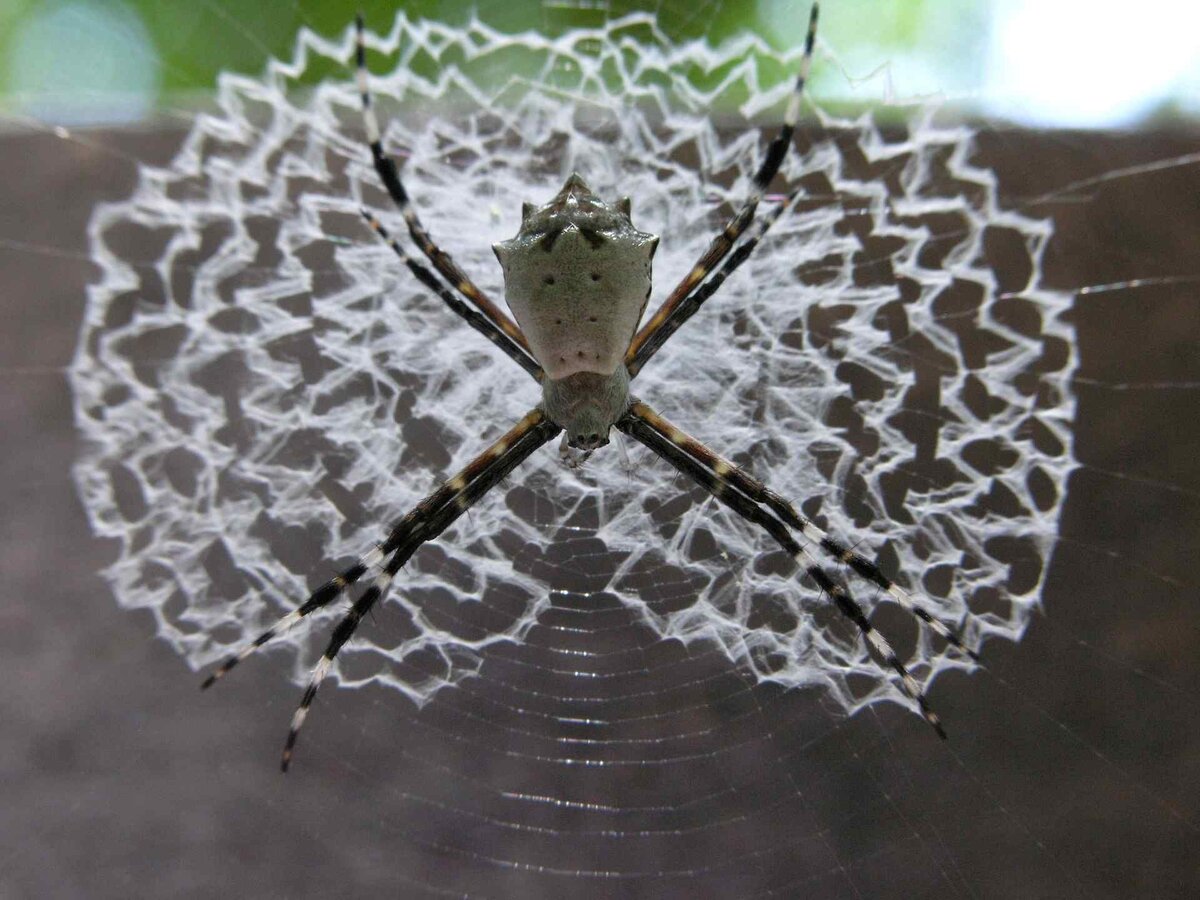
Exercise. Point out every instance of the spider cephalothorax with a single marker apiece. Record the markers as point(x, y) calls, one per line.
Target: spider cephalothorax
point(577, 278)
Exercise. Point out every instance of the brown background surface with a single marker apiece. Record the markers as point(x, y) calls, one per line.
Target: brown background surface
point(1074, 769)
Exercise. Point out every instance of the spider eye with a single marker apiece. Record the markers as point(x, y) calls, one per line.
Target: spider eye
point(591, 441)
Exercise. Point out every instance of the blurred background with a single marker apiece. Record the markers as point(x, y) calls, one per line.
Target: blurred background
point(1074, 765)
point(1053, 63)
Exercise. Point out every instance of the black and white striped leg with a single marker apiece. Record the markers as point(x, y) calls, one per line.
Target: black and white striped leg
point(320, 598)
point(333, 588)
point(690, 304)
point(760, 493)
point(725, 492)
point(723, 242)
point(476, 320)
point(342, 633)
point(464, 490)
point(425, 521)
point(390, 176)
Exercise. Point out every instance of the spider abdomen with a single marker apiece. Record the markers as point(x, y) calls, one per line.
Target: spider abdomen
point(577, 277)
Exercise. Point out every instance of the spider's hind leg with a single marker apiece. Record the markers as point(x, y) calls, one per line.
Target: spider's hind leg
point(476, 320)
point(651, 335)
point(389, 174)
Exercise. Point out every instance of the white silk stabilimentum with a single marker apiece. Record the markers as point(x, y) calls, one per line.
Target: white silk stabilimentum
point(263, 389)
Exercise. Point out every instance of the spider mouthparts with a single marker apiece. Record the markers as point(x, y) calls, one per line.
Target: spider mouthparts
point(589, 442)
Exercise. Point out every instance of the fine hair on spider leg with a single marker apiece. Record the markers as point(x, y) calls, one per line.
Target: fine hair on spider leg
point(584, 362)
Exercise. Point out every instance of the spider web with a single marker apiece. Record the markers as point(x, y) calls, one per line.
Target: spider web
point(275, 390)
point(589, 757)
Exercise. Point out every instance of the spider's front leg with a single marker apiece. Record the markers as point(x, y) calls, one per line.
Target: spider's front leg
point(424, 522)
point(753, 501)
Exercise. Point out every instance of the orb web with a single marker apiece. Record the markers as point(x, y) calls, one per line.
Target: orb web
point(270, 389)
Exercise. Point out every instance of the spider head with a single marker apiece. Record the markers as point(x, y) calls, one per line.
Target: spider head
point(586, 405)
point(592, 441)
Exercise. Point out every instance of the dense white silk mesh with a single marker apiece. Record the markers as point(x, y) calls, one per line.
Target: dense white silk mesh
point(269, 390)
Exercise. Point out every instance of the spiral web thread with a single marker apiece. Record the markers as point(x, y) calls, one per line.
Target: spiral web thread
point(262, 389)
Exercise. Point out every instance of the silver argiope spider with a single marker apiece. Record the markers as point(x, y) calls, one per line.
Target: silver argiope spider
point(577, 277)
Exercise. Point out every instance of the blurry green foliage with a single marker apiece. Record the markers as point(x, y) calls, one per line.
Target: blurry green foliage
point(195, 40)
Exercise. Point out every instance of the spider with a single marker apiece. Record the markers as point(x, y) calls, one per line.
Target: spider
point(577, 278)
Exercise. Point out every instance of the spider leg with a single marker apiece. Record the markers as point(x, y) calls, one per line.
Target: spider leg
point(478, 321)
point(724, 489)
point(431, 519)
point(760, 493)
point(422, 523)
point(690, 304)
point(318, 599)
point(390, 176)
point(723, 242)
point(478, 468)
